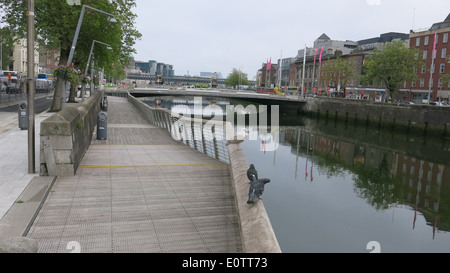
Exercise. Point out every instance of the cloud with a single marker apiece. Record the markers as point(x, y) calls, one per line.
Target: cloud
point(374, 2)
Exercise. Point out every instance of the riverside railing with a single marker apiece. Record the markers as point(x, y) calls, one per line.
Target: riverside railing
point(205, 136)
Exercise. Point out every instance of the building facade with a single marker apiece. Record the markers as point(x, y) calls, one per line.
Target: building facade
point(19, 60)
point(433, 75)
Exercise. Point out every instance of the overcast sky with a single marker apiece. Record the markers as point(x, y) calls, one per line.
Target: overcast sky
point(216, 36)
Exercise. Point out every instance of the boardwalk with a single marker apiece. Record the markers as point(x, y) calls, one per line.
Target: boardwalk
point(140, 191)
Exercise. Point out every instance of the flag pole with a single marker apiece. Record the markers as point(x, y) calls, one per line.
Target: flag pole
point(432, 67)
point(320, 66)
point(303, 75)
point(314, 69)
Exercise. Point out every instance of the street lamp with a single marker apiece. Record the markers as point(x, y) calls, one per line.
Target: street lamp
point(89, 60)
point(111, 19)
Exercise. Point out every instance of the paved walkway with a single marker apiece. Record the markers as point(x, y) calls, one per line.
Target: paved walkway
point(140, 191)
point(14, 175)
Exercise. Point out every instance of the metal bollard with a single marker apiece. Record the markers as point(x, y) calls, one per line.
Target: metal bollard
point(23, 116)
point(104, 104)
point(102, 125)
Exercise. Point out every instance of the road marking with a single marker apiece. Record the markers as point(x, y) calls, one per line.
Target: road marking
point(149, 165)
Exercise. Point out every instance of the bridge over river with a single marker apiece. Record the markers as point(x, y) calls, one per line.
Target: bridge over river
point(252, 96)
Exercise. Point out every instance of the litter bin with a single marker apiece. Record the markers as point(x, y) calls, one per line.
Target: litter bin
point(23, 116)
point(104, 104)
point(102, 125)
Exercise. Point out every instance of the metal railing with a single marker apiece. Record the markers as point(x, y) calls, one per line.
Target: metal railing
point(208, 137)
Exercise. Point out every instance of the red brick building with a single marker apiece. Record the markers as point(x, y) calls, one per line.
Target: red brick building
point(437, 83)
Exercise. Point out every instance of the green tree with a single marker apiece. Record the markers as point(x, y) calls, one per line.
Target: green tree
point(338, 72)
point(237, 77)
point(7, 47)
point(446, 77)
point(55, 25)
point(392, 65)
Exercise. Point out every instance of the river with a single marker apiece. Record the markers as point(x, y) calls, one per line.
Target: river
point(349, 188)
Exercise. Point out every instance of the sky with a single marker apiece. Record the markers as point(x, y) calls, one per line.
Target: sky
point(216, 36)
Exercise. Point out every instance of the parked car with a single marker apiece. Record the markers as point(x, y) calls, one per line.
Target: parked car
point(13, 87)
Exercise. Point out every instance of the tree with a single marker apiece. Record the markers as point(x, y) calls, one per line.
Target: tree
point(55, 25)
point(7, 47)
point(237, 77)
point(394, 64)
point(338, 72)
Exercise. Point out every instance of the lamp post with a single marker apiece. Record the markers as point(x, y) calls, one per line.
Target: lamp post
point(87, 65)
point(77, 32)
point(30, 87)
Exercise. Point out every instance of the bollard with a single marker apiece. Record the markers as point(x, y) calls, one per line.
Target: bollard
point(23, 116)
point(104, 104)
point(102, 125)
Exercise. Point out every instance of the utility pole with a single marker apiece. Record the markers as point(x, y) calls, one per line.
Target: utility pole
point(30, 88)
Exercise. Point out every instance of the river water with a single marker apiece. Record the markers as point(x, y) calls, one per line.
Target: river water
point(349, 188)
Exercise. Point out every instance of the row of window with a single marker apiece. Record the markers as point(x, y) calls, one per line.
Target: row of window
point(443, 53)
point(426, 39)
point(424, 68)
point(422, 83)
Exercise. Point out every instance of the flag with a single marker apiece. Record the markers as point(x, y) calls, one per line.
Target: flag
point(320, 57)
point(315, 54)
point(434, 46)
point(269, 64)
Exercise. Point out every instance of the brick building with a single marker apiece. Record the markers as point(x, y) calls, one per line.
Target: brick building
point(437, 83)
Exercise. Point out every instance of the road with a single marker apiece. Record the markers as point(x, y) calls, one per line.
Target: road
point(40, 105)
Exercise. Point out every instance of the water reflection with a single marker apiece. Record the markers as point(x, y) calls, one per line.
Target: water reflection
point(336, 187)
point(340, 190)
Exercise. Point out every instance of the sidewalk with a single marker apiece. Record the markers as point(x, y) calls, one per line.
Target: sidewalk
point(14, 177)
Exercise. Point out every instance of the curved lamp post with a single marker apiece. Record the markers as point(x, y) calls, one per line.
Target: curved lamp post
point(77, 32)
point(88, 62)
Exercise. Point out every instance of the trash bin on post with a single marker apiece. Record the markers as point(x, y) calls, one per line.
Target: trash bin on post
point(102, 125)
point(104, 104)
point(23, 116)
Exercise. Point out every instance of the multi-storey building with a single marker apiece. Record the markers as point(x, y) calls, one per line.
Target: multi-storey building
point(19, 58)
point(48, 59)
point(432, 76)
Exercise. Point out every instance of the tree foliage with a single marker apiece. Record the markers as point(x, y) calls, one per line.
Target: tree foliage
point(56, 22)
point(338, 72)
point(7, 47)
point(392, 65)
point(237, 77)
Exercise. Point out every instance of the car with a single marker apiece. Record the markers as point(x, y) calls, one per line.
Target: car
point(13, 87)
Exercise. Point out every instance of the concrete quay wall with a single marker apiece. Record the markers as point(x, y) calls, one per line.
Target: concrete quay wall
point(256, 230)
point(424, 118)
point(66, 136)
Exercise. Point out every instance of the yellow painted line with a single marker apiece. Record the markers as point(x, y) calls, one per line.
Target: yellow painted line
point(138, 144)
point(150, 165)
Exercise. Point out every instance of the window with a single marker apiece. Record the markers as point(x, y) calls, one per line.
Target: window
point(431, 82)
point(441, 82)
point(422, 82)
point(425, 40)
point(418, 41)
point(413, 84)
point(425, 54)
point(444, 53)
point(442, 68)
point(423, 69)
point(445, 39)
